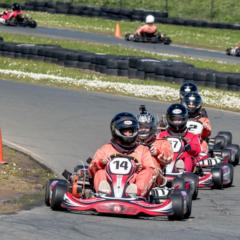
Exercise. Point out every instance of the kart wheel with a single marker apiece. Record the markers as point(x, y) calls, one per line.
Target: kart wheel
point(47, 190)
point(228, 51)
point(235, 152)
point(228, 173)
point(217, 177)
point(226, 135)
point(187, 196)
point(127, 37)
point(31, 23)
point(193, 180)
point(167, 41)
point(178, 183)
point(57, 195)
point(178, 206)
point(220, 142)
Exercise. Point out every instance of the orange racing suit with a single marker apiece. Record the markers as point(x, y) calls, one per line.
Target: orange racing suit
point(143, 179)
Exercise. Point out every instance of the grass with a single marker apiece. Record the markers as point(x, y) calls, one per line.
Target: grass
point(83, 79)
point(212, 10)
point(118, 50)
point(218, 39)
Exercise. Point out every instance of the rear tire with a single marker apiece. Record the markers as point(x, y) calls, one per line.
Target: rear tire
point(193, 180)
point(231, 175)
point(226, 135)
point(235, 152)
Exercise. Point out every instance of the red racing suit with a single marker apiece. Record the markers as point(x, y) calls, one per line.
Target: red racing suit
point(7, 15)
point(188, 156)
point(145, 177)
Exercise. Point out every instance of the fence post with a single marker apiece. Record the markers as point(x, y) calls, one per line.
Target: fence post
point(166, 5)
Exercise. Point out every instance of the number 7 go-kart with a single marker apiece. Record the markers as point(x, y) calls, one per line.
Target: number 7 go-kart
point(76, 193)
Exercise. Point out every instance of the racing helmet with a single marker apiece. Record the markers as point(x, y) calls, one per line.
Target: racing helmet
point(147, 125)
point(177, 117)
point(16, 7)
point(193, 103)
point(121, 122)
point(187, 88)
point(150, 19)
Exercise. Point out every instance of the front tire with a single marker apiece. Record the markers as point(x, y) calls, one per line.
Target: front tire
point(57, 195)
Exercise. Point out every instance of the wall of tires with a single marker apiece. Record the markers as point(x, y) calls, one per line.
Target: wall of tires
point(131, 67)
point(118, 14)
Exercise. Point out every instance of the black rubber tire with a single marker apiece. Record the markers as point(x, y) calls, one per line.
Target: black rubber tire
point(178, 183)
point(227, 135)
point(235, 152)
point(178, 206)
point(220, 142)
point(231, 169)
point(57, 195)
point(47, 190)
point(193, 180)
point(217, 177)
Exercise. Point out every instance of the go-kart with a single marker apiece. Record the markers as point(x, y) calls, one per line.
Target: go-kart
point(156, 38)
point(76, 193)
point(213, 161)
point(233, 51)
point(21, 20)
point(210, 174)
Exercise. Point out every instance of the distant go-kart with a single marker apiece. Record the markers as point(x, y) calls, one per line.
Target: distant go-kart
point(234, 51)
point(21, 20)
point(156, 38)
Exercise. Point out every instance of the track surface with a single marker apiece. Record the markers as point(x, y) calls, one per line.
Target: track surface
point(100, 38)
point(62, 127)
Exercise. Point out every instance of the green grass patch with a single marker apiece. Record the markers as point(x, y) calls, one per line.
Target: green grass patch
point(214, 10)
point(210, 38)
point(118, 50)
point(58, 76)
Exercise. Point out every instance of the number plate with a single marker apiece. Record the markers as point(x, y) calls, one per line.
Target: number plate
point(176, 144)
point(195, 127)
point(120, 166)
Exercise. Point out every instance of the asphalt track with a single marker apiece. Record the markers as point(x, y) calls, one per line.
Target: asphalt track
point(105, 39)
point(61, 127)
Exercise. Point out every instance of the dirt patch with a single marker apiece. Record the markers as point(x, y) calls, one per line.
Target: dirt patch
point(22, 182)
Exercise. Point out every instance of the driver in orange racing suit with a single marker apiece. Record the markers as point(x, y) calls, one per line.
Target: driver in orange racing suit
point(161, 149)
point(124, 129)
point(149, 28)
point(8, 15)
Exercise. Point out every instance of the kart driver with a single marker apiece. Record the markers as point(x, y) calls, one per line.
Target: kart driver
point(124, 129)
point(161, 149)
point(149, 28)
point(177, 117)
point(8, 15)
point(186, 88)
point(193, 103)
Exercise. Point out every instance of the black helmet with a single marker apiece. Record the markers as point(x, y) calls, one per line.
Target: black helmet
point(187, 88)
point(16, 7)
point(193, 103)
point(124, 121)
point(147, 125)
point(177, 117)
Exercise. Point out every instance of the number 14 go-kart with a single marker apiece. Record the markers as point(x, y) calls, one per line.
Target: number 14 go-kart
point(156, 38)
point(76, 194)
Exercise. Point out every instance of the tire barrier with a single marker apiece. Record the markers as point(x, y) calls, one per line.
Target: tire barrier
point(118, 14)
point(131, 67)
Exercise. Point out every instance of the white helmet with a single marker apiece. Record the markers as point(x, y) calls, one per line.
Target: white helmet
point(150, 19)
